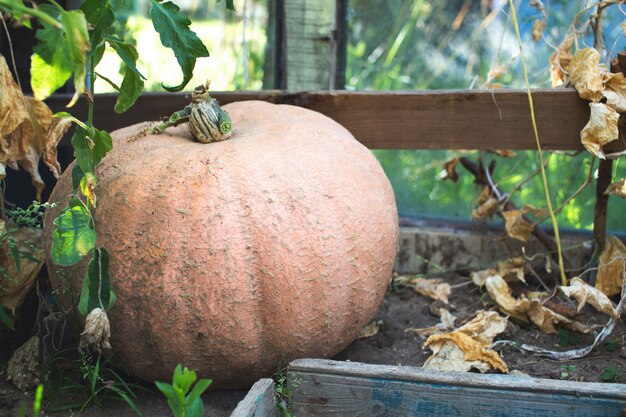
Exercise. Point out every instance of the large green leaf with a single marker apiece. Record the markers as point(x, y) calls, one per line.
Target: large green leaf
point(77, 39)
point(96, 290)
point(174, 31)
point(132, 85)
point(82, 150)
point(102, 143)
point(126, 52)
point(99, 14)
point(73, 236)
point(50, 63)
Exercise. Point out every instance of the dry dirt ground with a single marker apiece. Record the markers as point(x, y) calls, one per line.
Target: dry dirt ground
point(403, 308)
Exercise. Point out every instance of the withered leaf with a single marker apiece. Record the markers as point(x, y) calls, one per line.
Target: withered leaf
point(449, 170)
point(615, 91)
point(370, 330)
point(546, 319)
point(560, 60)
point(612, 269)
point(27, 131)
point(433, 288)
point(601, 128)
point(486, 205)
point(497, 71)
point(446, 324)
point(617, 188)
point(584, 293)
point(516, 226)
point(510, 269)
point(468, 346)
point(537, 29)
point(500, 293)
point(585, 72)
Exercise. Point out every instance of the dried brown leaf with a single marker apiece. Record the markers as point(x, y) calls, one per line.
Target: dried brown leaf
point(615, 91)
point(433, 288)
point(505, 153)
point(27, 131)
point(612, 269)
point(535, 211)
point(13, 109)
point(617, 188)
point(468, 346)
point(584, 293)
point(97, 331)
point(537, 4)
point(546, 319)
point(586, 74)
point(370, 330)
point(516, 226)
point(601, 128)
point(537, 29)
point(449, 170)
point(560, 60)
point(510, 269)
point(446, 324)
point(500, 293)
point(486, 205)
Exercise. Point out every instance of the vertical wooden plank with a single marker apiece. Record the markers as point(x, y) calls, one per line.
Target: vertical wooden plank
point(309, 38)
point(259, 402)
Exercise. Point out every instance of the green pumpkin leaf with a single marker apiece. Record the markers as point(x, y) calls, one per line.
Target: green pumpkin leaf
point(130, 90)
point(102, 144)
point(77, 40)
point(50, 63)
point(77, 176)
point(96, 290)
point(82, 150)
point(174, 31)
point(132, 85)
point(73, 236)
point(5, 318)
point(87, 185)
point(126, 52)
point(99, 13)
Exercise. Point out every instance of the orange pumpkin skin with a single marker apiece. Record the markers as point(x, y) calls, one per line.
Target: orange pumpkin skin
point(235, 256)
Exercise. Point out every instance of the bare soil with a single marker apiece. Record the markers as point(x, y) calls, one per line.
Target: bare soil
point(402, 308)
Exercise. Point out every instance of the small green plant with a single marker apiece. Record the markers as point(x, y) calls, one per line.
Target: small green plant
point(612, 346)
point(566, 338)
point(568, 372)
point(96, 384)
point(182, 399)
point(610, 374)
point(36, 403)
point(283, 388)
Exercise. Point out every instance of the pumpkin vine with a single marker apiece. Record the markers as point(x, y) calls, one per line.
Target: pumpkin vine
point(72, 43)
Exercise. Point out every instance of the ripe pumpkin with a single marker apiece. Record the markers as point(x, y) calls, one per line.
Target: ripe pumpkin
point(234, 256)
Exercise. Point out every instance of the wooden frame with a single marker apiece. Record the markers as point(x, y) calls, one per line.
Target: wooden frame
point(330, 388)
point(498, 119)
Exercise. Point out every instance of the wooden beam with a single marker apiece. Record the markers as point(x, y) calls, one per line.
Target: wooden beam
point(331, 388)
point(400, 120)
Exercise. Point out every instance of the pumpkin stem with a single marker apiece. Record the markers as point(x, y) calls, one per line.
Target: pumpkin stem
point(208, 122)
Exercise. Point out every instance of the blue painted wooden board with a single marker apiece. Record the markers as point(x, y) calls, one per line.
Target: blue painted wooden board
point(330, 388)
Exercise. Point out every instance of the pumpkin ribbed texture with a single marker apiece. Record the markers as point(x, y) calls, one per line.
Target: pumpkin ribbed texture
point(235, 256)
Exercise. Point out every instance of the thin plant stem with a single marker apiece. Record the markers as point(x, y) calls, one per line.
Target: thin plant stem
point(44, 17)
point(555, 225)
